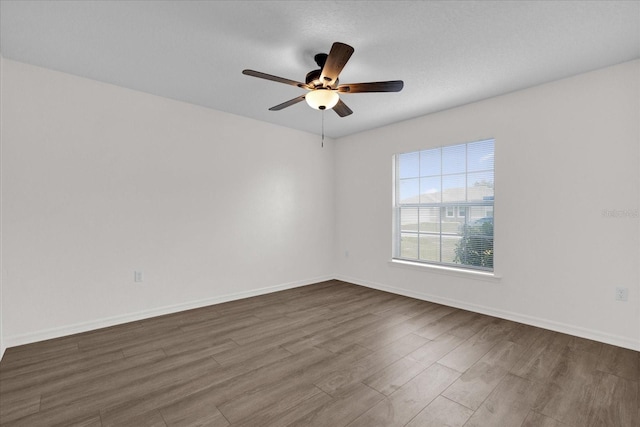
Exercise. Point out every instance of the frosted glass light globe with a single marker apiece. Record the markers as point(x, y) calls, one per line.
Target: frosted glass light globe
point(322, 99)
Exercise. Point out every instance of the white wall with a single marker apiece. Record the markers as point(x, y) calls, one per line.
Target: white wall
point(2, 345)
point(565, 151)
point(99, 181)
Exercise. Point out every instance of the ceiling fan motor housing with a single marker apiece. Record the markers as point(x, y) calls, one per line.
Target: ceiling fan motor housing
point(313, 79)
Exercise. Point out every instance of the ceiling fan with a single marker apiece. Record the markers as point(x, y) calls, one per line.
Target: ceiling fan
point(323, 86)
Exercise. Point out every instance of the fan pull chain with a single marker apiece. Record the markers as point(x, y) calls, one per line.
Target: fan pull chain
point(322, 145)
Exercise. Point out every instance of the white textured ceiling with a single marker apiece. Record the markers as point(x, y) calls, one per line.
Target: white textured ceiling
point(448, 53)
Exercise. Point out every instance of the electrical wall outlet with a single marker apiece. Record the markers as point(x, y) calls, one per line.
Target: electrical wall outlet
point(622, 294)
point(137, 276)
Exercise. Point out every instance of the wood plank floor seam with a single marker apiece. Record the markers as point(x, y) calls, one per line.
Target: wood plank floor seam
point(328, 354)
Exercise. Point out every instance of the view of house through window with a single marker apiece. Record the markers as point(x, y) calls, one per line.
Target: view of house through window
point(444, 205)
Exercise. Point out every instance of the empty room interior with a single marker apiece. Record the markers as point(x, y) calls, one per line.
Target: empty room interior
point(340, 213)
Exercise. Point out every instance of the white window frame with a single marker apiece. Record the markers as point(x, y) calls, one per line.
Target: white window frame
point(464, 207)
point(451, 211)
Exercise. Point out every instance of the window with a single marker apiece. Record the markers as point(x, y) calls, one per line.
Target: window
point(444, 201)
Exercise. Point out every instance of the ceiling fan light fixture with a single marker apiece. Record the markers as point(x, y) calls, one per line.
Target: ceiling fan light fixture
point(322, 98)
point(323, 85)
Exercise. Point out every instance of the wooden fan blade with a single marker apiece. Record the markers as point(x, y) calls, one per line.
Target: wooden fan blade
point(341, 109)
point(274, 78)
point(390, 86)
point(337, 59)
point(287, 104)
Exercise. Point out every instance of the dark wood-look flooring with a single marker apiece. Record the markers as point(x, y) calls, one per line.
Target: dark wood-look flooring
point(330, 354)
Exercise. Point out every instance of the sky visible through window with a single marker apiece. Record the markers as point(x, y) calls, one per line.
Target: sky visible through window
point(440, 169)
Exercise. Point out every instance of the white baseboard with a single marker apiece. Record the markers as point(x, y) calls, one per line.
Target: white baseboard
point(16, 340)
point(578, 331)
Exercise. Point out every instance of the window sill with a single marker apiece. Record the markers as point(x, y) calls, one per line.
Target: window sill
point(450, 271)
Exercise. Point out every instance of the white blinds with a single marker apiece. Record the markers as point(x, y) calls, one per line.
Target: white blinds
point(444, 205)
